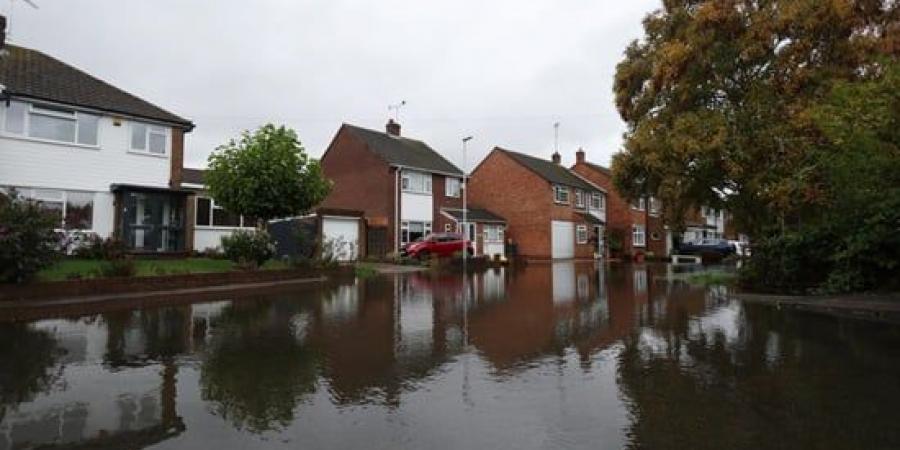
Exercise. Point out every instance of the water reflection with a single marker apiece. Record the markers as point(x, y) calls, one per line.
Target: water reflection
point(555, 355)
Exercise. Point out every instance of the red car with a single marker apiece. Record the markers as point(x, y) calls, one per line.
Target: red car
point(438, 244)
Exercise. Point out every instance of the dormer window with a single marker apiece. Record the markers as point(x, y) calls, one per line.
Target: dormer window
point(561, 194)
point(147, 138)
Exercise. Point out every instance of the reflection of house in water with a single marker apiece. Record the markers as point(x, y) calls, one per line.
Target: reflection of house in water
point(130, 404)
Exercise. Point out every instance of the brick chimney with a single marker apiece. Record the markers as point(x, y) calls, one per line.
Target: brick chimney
point(579, 156)
point(393, 128)
point(557, 159)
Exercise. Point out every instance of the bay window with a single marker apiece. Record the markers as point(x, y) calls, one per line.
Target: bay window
point(72, 210)
point(51, 123)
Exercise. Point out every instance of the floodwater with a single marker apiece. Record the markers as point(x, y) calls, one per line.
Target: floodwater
point(547, 356)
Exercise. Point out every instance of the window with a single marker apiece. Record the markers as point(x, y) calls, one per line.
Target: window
point(581, 234)
point(148, 138)
point(448, 227)
point(641, 205)
point(72, 210)
point(208, 213)
point(51, 123)
point(452, 187)
point(560, 194)
point(655, 206)
point(413, 231)
point(416, 182)
point(493, 233)
point(638, 238)
point(597, 201)
point(579, 198)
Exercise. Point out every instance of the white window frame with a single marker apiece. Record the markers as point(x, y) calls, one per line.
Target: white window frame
point(406, 178)
point(167, 140)
point(31, 194)
point(47, 110)
point(493, 233)
point(579, 198)
point(404, 226)
point(581, 234)
point(559, 189)
point(448, 228)
point(655, 206)
point(640, 206)
point(638, 236)
point(212, 207)
point(448, 182)
point(597, 201)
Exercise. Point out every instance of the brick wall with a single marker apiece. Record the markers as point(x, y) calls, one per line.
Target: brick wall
point(361, 181)
point(177, 162)
point(439, 195)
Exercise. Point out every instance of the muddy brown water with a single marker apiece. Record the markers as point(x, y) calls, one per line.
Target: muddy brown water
point(548, 356)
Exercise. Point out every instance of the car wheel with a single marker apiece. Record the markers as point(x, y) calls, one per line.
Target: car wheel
point(423, 255)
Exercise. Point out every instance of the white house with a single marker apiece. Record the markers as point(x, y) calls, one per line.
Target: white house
point(103, 160)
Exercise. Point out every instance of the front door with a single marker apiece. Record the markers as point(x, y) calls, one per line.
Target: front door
point(152, 221)
point(468, 230)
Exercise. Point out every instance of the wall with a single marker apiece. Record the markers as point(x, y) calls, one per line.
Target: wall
point(417, 207)
point(362, 180)
point(620, 215)
point(210, 237)
point(439, 186)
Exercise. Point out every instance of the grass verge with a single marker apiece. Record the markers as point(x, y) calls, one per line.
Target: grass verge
point(90, 268)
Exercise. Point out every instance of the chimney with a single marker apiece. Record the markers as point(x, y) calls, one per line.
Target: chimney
point(393, 128)
point(556, 158)
point(579, 156)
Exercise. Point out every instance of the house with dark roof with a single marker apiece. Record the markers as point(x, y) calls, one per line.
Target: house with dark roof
point(551, 212)
point(405, 189)
point(104, 161)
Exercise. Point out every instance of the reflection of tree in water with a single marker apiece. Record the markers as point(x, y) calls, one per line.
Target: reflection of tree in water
point(27, 357)
point(776, 381)
point(137, 338)
point(256, 370)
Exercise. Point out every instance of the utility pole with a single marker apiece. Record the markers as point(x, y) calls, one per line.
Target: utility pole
point(465, 184)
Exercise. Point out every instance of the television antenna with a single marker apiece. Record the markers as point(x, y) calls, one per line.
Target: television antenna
point(9, 21)
point(396, 109)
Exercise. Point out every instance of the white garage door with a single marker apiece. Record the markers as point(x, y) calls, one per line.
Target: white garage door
point(342, 233)
point(563, 235)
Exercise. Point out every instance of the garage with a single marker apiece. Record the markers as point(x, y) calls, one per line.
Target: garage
point(563, 239)
point(342, 234)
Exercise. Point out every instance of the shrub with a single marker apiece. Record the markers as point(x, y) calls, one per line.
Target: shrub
point(249, 249)
point(95, 247)
point(28, 240)
point(123, 268)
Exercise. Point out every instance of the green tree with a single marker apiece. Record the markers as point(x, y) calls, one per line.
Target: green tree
point(28, 240)
point(266, 174)
point(719, 97)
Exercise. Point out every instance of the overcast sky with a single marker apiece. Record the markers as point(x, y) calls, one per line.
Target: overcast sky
point(502, 71)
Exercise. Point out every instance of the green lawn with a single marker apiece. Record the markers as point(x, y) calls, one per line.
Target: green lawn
point(89, 268)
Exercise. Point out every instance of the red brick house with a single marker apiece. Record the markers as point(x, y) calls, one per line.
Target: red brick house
point(638, 225)
point(404, 188)
point(551, 212)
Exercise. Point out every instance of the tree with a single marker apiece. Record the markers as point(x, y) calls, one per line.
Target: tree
point(719, 97)
point(28, 240)
point(266, 175)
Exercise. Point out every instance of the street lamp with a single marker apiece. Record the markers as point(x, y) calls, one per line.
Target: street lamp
point(465, 185)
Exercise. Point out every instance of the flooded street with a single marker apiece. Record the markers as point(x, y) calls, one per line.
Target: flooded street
point(546, 356)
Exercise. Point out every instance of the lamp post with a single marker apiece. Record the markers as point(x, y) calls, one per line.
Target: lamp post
point(465, 184)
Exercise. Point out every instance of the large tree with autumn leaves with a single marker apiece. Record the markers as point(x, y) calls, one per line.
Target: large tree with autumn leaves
point(733, 103)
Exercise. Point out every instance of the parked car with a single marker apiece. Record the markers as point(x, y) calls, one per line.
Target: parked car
point(437, 244)
point(719, 246)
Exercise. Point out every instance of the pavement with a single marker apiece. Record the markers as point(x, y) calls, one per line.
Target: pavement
point(877, 307)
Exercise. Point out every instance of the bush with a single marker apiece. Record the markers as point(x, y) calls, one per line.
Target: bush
point(95, 247)
point(28, 240)
point(249, 249)
point(123, 268)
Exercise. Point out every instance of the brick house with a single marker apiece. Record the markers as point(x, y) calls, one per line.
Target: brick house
point(103, 161)
point(404, 188)
point(551, 212)
point(638, 225)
